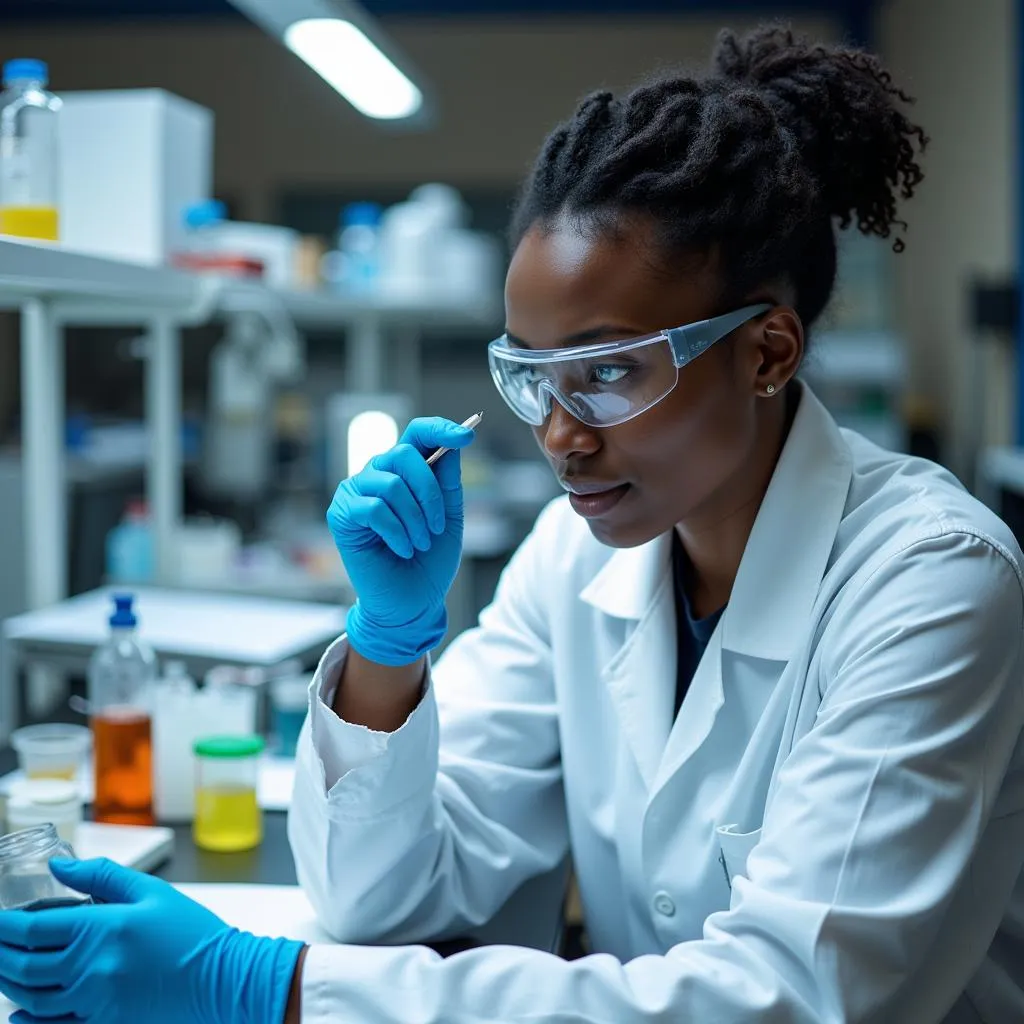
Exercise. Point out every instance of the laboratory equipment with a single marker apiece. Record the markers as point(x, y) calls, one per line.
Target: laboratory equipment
point(471, 424)
point(56, 802)
point(129, 547)
point(212, 242)
point(29, 117)
point(260, 351)
point(51, 751)
point(427, 250)
point(26, 882)
point(229, 701)
point(289, 702)
point(120, 680)
point(131, 161)
point(355, 266)
point(175, 726)
point(577, 377)
point(228, 816)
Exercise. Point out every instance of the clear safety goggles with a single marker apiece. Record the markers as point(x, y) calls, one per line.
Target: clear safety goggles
point(606, 384)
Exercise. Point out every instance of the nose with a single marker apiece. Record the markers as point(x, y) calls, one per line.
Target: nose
point(562, 436)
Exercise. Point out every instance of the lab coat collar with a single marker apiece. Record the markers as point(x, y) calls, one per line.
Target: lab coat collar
point(786, 554)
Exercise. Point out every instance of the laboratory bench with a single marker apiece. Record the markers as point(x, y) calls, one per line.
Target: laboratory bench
point(532, 917)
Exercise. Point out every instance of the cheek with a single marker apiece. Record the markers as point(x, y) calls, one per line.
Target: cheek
point(695, 439)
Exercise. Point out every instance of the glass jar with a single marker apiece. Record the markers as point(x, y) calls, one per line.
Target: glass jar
point(25, 879)
point(54, 802)
point(228, 817)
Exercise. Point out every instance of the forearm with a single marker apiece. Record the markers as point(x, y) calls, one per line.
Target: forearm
point(293, 1012)
point(379, 697)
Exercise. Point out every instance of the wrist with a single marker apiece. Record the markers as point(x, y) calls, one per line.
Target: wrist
point(293, 1011)
point(251, 977)
point(395, 645)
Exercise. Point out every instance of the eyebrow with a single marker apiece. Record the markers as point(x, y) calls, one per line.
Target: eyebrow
point(583, 337)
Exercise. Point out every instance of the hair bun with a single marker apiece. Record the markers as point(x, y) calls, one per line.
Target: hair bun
point(845, 113)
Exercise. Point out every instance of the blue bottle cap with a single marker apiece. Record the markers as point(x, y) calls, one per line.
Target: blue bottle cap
point(209, 211)
point(361, 214)
point(24, 69)
point(123, 617)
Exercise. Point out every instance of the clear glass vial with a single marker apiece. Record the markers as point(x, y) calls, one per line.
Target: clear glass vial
point(26, 882)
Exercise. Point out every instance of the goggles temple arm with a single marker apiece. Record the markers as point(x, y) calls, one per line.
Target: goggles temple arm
point(695, 339)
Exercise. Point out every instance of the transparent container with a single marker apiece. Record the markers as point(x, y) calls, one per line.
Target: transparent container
point(25, 879)
point(228, 817)
point(46, 802)
point(175, 726)
point(289, 702)
point(121, 674)
point(52, 751)
point(29, 186)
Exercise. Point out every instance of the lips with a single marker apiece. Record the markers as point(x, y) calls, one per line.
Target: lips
point(595, 501)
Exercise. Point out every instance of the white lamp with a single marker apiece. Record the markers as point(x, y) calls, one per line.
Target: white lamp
point(348, 50)
point(369, 434)
point(359, 426)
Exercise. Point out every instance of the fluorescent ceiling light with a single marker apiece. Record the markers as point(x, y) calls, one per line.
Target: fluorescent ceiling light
point(350, 62)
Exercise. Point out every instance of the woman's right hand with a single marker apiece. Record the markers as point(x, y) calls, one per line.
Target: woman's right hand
point(397, 525)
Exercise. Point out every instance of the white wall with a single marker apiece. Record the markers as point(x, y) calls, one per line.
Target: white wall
point(959, 60)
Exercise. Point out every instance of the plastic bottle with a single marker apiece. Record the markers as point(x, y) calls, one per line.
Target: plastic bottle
point(201, 220)
point(411, 235)
point(129, 552)
point(175, 728)
point(29, 185)
point(120, 689)
point(359, 246)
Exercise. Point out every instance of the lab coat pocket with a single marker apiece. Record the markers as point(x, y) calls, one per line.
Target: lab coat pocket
point(735, 847)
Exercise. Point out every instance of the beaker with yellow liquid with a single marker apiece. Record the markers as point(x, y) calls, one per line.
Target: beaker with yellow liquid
point(228, 816)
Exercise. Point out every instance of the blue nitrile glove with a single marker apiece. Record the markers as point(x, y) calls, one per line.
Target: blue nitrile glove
point(146, 954)
point(397, 525)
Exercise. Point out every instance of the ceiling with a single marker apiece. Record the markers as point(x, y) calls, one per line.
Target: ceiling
point(852, 11)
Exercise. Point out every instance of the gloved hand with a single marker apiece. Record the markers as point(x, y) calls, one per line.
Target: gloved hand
point(146, 954)
point(397, 525)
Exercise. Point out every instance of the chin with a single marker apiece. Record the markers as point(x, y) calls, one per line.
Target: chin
point(622, 535)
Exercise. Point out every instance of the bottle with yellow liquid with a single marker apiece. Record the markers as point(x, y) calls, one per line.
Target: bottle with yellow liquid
point(228, 817)
point(29, 185)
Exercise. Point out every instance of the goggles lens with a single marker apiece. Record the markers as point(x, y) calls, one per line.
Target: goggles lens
point(605, 384)
point(600, 390)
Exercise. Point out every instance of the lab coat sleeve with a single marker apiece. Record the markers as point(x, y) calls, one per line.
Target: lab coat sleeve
point(883, 822)
point(425, 832)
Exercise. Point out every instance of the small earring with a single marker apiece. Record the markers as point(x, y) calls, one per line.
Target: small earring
point(770, 389)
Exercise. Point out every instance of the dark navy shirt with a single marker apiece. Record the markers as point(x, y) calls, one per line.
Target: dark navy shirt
point(692, 635)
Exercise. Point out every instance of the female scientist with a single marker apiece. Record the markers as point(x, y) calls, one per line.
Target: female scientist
point(761, 678)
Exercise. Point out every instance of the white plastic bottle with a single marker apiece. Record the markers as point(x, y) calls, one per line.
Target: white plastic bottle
point(175, 729)
point(29, 186)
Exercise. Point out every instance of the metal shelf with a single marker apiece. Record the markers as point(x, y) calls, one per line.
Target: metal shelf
point(53, 286)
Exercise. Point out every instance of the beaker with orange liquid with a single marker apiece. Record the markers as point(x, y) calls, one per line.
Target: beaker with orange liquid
point(122, 673)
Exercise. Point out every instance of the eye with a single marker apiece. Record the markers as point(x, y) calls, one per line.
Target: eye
point(524, 373)
point(609, 374)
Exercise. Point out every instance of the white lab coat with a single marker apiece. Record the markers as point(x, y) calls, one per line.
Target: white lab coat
point(831, 830)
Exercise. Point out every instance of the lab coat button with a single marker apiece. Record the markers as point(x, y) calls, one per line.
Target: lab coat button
point(664, 904)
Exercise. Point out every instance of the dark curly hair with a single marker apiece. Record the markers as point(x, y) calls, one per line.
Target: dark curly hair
point(750, 163)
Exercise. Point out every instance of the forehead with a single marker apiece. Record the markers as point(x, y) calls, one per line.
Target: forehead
point(566, 278)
